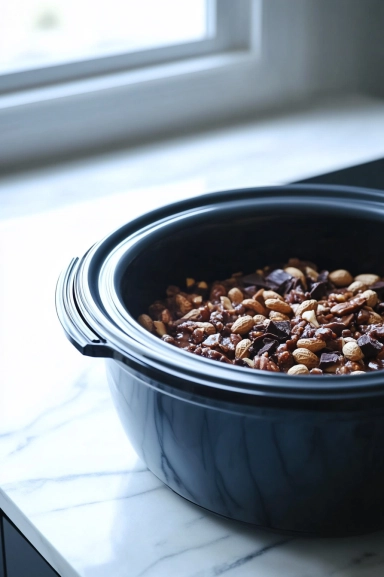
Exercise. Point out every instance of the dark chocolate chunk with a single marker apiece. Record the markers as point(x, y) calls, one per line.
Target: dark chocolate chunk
point(378, 332)
point(255, 279)
point(337, 328)
point(277, 279)
point(280, 329)
point(370, 346)
point(318, 290)
point(328, 359)
point(269, 346)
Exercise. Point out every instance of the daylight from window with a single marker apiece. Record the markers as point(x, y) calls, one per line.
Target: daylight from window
point(36, 33)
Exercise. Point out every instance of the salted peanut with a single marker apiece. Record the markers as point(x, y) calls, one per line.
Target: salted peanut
point(374, 318)
point(202, 285)
point(189, 282)
point(160, 328)
point(341, 277)
point(249, 362)
point(208, 328)
point(357, 373)
point(192, 315)
point(278, 306)
point(275, 316)
point(293, 271)
point(298, 370)
point(322, 309)
point(243, 325)
point(313, 345)
point(309, 305)
point(226, 303)
point(259, 296)
point(305, 357)
point(183, 303)
point(146, 322)
point(235, 295)
point(356, 286)
point(254, 306)
point(371, 296)
point(242, 349)
point(352, 351)
point(272, 295)
point(313, 274)
point(258, 319)
point(367, 279)
point(197, 300)
point(310, 316)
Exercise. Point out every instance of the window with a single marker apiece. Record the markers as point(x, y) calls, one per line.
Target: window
point(75, 74)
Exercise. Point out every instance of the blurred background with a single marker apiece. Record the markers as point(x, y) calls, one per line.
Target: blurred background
point(79, 77)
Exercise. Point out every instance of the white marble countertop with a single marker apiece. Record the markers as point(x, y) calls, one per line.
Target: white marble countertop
point(68, 475)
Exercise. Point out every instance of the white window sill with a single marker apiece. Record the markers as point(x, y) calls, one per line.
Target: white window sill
point(324, 137)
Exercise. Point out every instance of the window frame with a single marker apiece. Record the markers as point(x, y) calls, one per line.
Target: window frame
point(228, 29)
point(74, 114)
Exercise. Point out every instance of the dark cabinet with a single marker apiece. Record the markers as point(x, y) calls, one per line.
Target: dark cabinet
point(21, 558)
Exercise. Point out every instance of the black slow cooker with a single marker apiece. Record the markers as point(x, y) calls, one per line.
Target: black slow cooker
point(290, 453)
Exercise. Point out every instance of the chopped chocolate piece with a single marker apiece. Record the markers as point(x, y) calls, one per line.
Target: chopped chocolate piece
point(280, 329)
point(255, 279)
point(376, 365)
point(277, 279)
point(347, 320)
point(250, 290)
point(337, 328)
point(269, 347)
point(324, 333)
point(369, 345)
point(328, 359)
point(363, 317)
point(318, 290)
point(378, 332)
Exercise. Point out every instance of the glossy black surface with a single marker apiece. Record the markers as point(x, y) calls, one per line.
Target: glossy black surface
point(20, 558)
point(299, 454)
point(2, 557)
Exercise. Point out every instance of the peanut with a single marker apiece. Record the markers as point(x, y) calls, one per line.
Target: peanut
point(371, 296)
point(356, 286)
point(313, 274)
point(242, 349)
point(368, 279)
point(305, 357)
point(295, 272)
point(298, 370)
point(341, 277)
point(272, 295)
point(160, 328)
point(189, 282)
point(258, 319)
point(310, 305)
point(312, 345)
point(278, 306)
point(352, 351)
point(254, 306)
point(275, 316)
point(243, 325)
point(146, 322)
point(226, 303)
point(235, 295)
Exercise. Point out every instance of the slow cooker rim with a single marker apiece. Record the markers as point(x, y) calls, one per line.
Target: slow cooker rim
point(170, 356)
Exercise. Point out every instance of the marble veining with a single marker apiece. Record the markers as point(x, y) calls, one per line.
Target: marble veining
point(69, 477)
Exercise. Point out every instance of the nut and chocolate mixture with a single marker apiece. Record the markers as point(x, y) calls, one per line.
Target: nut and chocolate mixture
point(292, 320)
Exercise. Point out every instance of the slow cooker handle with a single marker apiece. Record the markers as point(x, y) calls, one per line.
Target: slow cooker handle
point(79, 333)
